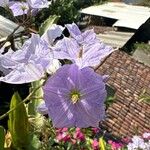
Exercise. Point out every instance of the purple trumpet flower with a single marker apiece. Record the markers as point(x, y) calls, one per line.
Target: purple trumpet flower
point(87, 37)
point(52, 33)
point(38, 4)
point(4, 3)
point(19, 8)
point(83, 55)
point(83, 49)
point(75, 97)
point(29, 63)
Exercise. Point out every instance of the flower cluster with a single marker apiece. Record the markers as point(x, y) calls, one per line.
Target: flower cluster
point(64, 135)
point(140, 142)
point(27, 64)
point(83, 49)
point(87, 139)
point(27, 7)
point(77, 138)
point(3, 3)
point(74, 95)
point(115, 145)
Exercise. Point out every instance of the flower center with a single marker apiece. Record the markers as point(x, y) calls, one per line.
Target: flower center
point(75, 96)
point(23, 7)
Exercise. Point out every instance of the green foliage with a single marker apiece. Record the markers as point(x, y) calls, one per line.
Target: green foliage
point(47, 23)
point(34, 143)
point(18, 123)
point(144, 97)
point(6, 13)
point(2, 137)
point(110, 96)
point(63, 8)
point(99, 1)
point(143, 46)
point(145, 3)
point(68, 10)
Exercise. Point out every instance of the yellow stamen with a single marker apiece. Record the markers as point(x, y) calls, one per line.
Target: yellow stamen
point(74, 96)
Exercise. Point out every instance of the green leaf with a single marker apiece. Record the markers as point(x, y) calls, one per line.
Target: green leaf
point(47, 23)
point(102, 143)
point(18, 123)
point(110, 96)
point(35, 144)
point(144, 97)
point(69, 146)
point(2, 137)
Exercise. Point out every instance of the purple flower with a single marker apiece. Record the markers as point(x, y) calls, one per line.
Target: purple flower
point(52, 33)
point(4, 57)
point(137, 143)
point(24, 73)
point(83, 56)
point(19, 8)
point(37, 4)
point(75, 97)
point(54, 65)
point(146, 135)
point(42, 109)
point(87, 37)
point(4, 3)
point(29, 63)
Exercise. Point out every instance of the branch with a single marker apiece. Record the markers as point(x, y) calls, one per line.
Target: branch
point(28, 98)
point(9, 37)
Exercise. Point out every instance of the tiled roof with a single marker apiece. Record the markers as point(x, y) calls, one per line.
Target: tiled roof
point(129, 77)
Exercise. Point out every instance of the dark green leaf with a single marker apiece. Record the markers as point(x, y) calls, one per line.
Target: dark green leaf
point(2, 137)
point(47, 23)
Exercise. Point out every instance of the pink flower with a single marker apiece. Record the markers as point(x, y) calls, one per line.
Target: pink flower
point(61, 130)
point(79, 135)
point(63, 137)
point(115, 145)
point(95, 144)
point(73, 141)
point(95, 130)
point(126, 140)
point(78, 129)
point(67, 138)
point(146, 135)
point(64, 130)
point(59, 137)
